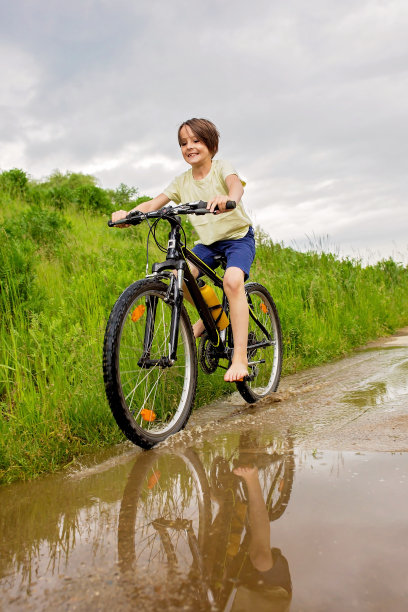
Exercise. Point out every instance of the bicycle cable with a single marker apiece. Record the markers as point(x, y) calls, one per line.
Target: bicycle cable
point(152, 231)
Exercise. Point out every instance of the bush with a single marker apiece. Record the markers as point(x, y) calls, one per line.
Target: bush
point(45, 228)
point(60, 196)
point(124, 195)
point(71, 180)
point(92, 198)
point(17, 259)
point(73, 188)
point(14, 183)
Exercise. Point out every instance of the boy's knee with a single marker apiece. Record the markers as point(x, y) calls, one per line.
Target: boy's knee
point(233, 280)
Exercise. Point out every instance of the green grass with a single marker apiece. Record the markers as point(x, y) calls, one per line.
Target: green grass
point(61, 270)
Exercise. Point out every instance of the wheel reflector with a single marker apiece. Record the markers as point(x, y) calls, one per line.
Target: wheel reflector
point(153, 480)
point(148, 415)
point(138, 312)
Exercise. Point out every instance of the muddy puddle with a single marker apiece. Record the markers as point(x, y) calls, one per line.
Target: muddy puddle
point(246, 519)
point(286, 506)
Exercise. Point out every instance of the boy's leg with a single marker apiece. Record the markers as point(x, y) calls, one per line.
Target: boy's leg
point(259, 546)
point(235, 291)
point(198, 326)
point(206, 253)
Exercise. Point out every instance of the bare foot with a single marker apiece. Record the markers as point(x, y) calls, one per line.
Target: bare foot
point(237, 371)
point(198, 328)
point(246, 472)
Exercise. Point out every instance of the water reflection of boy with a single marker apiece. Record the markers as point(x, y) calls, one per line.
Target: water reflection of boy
point(263, 578)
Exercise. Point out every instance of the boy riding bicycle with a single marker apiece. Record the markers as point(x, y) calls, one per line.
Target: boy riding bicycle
point(229, 233)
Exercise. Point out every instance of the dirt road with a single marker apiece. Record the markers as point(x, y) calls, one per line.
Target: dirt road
point(357, 403)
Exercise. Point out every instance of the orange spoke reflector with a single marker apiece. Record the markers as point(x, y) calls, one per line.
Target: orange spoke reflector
point(153, 480)
point(148, 415)
point(264, 308)
point(138, 312)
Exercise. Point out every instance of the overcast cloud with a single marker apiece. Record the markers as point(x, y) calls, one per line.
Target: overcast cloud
point(310, 99)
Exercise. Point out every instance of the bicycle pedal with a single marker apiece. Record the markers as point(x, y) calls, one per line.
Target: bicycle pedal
point(244, 379)
point(248, 378)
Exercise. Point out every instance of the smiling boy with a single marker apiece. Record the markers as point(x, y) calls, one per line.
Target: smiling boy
point(227, 233)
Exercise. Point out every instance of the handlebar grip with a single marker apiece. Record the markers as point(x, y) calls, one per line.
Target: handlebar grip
point(230, 205)
point(133, 218)
point(115, 223)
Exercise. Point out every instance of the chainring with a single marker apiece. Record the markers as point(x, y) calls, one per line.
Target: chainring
point(251, 340)
point(207, 354)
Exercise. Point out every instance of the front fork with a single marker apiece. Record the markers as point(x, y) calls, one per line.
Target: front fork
point(176, 288)
point(174, 296)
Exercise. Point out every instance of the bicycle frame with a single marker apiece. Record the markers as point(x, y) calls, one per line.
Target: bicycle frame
point(176, 259)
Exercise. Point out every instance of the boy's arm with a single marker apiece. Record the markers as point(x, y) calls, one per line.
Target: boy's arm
point(149, 206)
point(235, 192)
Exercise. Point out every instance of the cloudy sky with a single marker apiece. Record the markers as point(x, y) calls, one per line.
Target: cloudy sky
point(311, 99)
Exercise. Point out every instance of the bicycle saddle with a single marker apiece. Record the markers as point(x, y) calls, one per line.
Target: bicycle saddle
point(220, 260)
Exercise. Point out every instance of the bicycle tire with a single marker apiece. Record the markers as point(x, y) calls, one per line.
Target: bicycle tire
point(148, 402)
point(266, 375)
point(281, 488)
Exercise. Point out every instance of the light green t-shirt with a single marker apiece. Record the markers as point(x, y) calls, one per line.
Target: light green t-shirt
point(210, 228)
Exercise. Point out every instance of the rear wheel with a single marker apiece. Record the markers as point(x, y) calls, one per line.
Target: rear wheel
point(149, 398)
point(281, 486)
point(264, 345)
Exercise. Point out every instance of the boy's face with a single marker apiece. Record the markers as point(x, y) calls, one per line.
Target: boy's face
point(194, 151)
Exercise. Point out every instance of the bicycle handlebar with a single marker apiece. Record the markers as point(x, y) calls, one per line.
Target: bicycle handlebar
point(190, 208)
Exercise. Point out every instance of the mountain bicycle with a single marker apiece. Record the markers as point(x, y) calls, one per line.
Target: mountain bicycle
point(150, 360)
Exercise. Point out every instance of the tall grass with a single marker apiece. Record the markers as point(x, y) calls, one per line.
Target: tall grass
point(329, 306)
point(61, 269)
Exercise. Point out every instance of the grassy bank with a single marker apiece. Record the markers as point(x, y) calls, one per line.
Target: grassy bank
point(61, 269)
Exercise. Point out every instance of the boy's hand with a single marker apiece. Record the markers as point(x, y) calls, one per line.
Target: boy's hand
point(118, 215)
point(220, 201)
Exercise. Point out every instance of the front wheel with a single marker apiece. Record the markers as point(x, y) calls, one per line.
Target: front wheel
point(264, 345)
point(165, 515)
point(149, 399)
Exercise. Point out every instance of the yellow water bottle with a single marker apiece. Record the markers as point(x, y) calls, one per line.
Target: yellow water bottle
point(214, 304)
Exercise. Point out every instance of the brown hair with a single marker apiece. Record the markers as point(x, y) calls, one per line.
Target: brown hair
point(205, 130)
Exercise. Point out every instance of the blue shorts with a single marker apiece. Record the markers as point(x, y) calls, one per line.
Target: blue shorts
point(240, 253)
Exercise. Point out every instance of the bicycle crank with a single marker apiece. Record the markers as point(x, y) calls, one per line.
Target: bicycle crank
point(207, 355)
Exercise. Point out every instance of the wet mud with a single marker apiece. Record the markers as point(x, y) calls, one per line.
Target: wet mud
point(296, 504)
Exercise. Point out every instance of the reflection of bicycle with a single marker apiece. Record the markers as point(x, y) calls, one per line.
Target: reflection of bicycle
point(175, 520)
point(150, 360)
point(165, 512)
